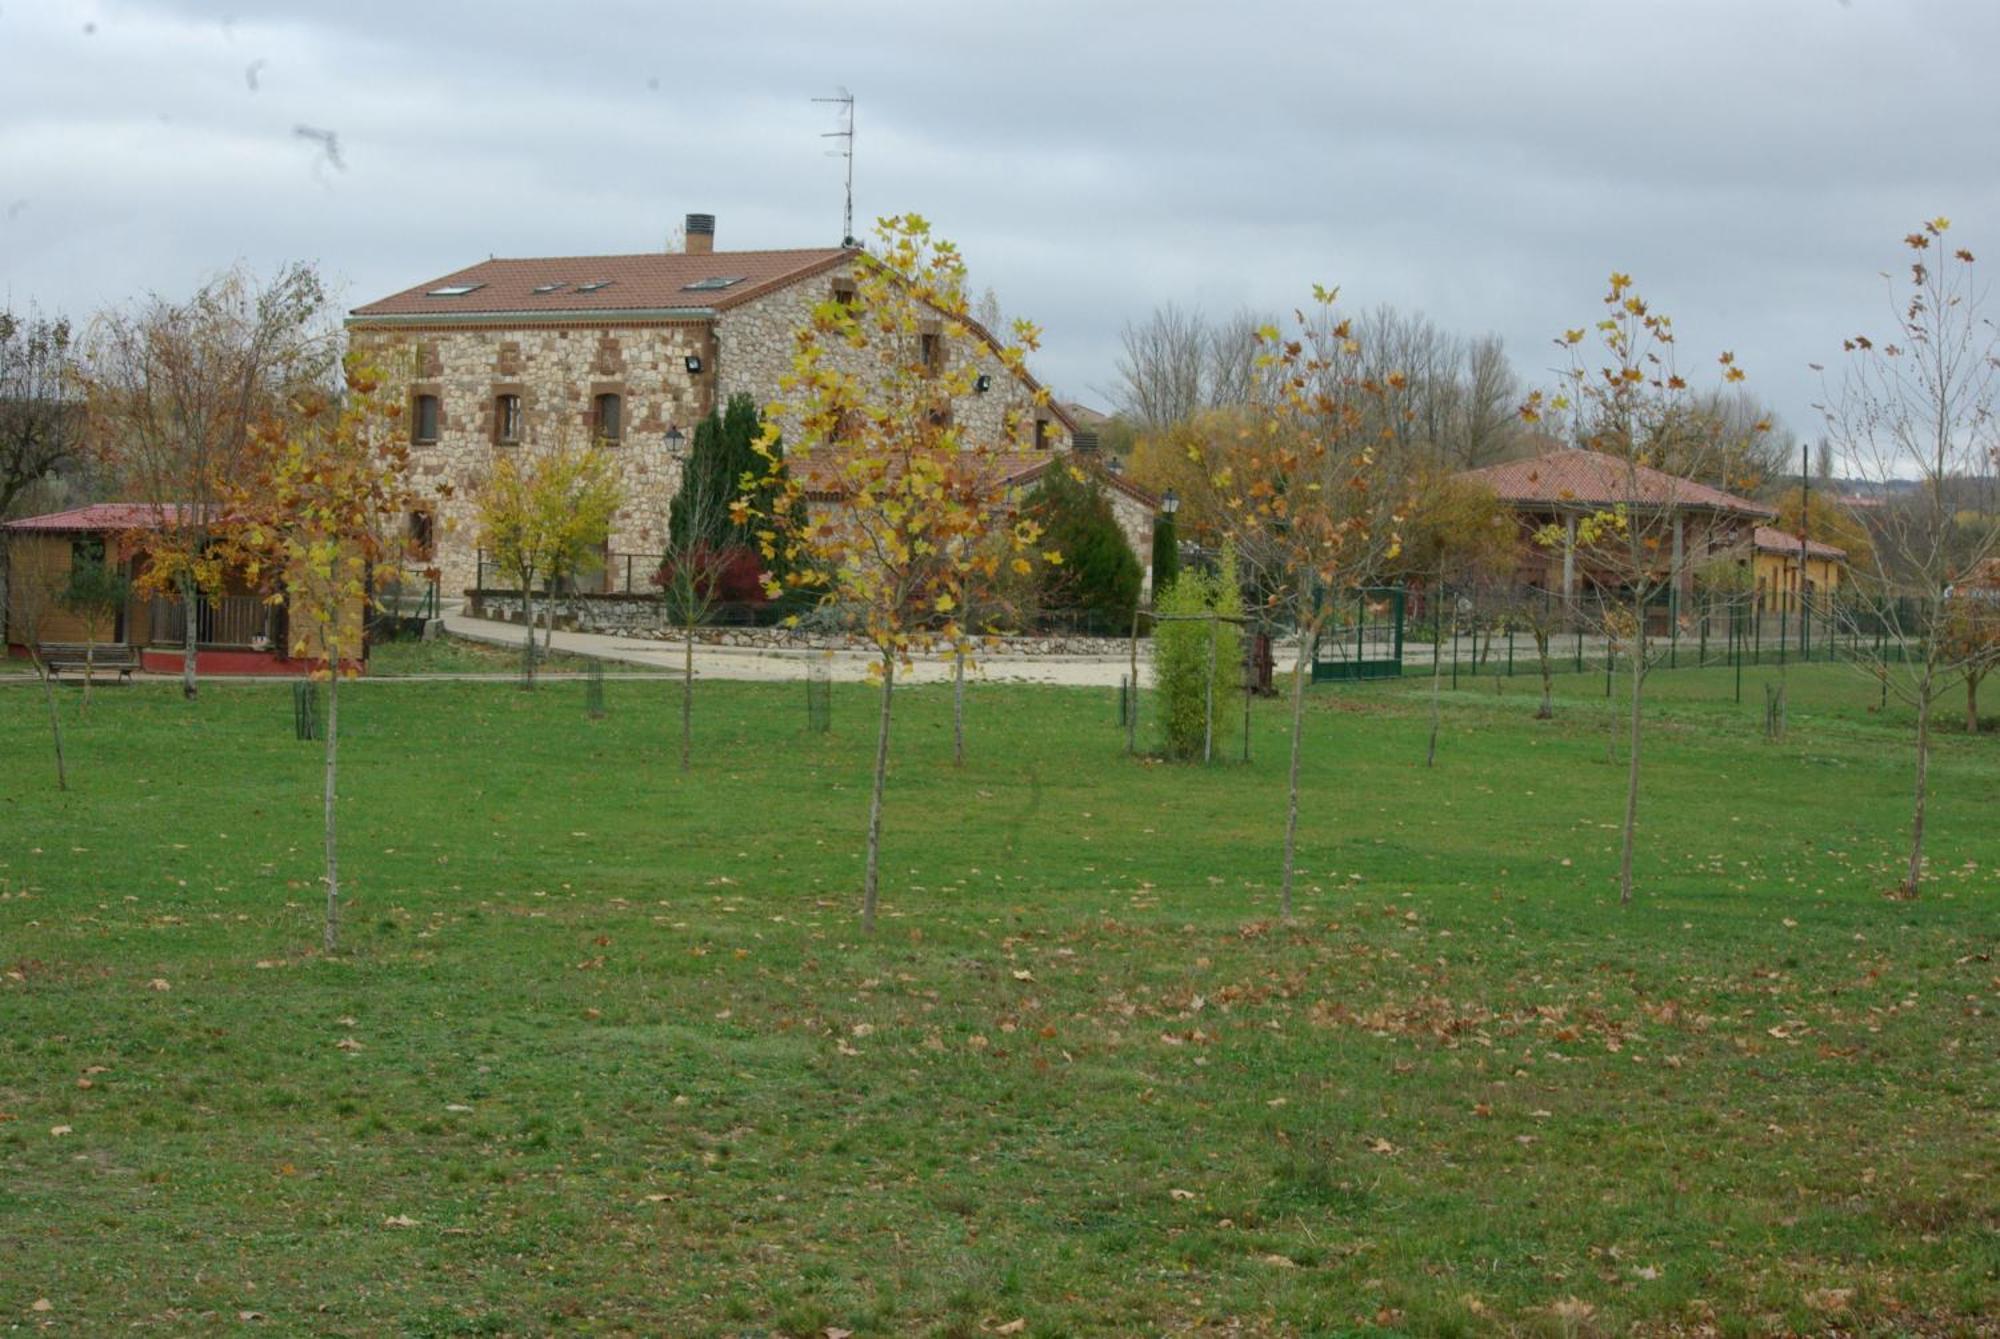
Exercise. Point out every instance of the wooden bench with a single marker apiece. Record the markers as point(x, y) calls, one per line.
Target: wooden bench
point(61, 656)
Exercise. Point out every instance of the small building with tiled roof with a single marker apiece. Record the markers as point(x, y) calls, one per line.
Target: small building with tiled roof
point(632, 351)
point(1776, 572)
point(1564, 485)
point(237, 630)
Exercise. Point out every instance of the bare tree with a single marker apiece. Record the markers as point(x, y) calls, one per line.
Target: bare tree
point(173, 392)
point(1160, 370)
point(41, 412)
point(1920, 400)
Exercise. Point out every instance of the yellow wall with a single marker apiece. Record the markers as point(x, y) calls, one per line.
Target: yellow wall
point(1777, 578)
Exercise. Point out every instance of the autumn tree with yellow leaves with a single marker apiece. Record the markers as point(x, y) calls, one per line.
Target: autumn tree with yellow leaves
point(1313, 494)
point(1622, 395)
point(911, 510)
point(314, 518)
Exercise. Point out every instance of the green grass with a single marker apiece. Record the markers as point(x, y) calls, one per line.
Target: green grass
point(606, 1036)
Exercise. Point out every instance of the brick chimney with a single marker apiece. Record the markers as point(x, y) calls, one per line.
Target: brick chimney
point(700, 233)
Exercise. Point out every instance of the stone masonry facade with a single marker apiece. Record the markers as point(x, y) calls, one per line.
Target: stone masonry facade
point(558, 364)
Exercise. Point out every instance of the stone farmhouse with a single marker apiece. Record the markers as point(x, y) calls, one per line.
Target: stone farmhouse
point(631, 351)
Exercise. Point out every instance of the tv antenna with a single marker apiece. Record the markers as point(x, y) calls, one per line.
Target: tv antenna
point(845, 101)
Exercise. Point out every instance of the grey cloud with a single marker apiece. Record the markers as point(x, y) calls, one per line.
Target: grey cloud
point(1487, 164)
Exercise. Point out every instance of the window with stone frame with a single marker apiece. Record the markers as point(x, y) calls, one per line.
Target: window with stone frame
point(1041, 432)
point(424, 419)
point(507, 419)
point(420, 535)
point(930, 350)
point(607, 417)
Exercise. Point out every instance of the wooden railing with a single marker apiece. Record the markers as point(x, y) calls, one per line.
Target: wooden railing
point(227, 620)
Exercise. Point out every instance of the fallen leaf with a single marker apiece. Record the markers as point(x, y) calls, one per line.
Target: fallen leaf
point(1181, 1194)
point(249, 1315)
point(1829, 1300)
point(347, 1044)
point(159, 983)
point(42, 1304)
point(1015, 1326)
point(456, 1106)
point(1281, 1262)
point(835, 1332)
point(1573, 1310)
point(1381, 1146)
point(59, 1130)
point(399, 1220)
point(1024, 975)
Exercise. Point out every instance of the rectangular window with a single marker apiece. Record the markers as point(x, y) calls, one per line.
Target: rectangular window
point(507, 420)
point(424, 420)
point(930, 348)
point(1041, 434)
point(422, 536)
point(843, 292)
point(608, 416)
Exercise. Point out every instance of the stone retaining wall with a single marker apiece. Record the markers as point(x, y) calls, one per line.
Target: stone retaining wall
point(645, 618)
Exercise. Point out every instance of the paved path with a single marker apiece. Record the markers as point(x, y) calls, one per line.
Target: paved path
point(771, 664)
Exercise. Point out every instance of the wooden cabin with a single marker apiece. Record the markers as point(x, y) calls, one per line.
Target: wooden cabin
point(239, 631)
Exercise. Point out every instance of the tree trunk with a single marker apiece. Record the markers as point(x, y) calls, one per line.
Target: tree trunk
point(1299, 673)
point(191, 627)
point(55, 726)
point(90, 667)
point(958, 706)
point(1132, 703)
point(1972, 678)
point(1632, 775)
point(1913, 882)
point(1437, 684)
point(870, 876)
point(332, 936)
point(687, 699)
point(1547, 711)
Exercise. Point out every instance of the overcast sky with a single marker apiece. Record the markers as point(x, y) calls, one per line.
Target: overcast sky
point(1486, 162)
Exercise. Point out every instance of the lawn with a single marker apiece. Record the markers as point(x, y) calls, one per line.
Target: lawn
point(605, 1054)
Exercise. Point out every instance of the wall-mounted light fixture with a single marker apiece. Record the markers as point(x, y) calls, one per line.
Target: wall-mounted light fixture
point(984, 383)
point(1170, 502)
point(675, 438)
point(693, 364)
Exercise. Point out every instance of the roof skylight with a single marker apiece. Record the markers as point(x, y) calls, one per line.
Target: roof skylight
point(550, 288)
point(593, 285)
point(711, 283)
point(453, 290)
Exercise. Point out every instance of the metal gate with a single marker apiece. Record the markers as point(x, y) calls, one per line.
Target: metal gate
point(1364, 640)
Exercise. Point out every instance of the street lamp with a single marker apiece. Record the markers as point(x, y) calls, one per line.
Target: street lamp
point(1170, 502)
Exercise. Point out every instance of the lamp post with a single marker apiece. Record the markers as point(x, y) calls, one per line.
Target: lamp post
point(1166, 544)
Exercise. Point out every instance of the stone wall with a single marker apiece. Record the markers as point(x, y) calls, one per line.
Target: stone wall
point(558, 371)
point(754, 345)
point(646, 619)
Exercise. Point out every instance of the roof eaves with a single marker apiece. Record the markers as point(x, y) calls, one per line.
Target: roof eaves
point(548, 316)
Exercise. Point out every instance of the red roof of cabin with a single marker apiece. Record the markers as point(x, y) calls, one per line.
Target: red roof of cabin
point(104, 516)
point(1770, 539)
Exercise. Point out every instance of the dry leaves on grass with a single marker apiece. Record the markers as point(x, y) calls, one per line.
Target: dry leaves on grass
point(159, 983)
point(399, 1220)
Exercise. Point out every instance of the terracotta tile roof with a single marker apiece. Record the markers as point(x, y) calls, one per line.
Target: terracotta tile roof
point(819, 471)
point(103, 516)
point(650, 282)
point(1593, 479)
point(1770, 539)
